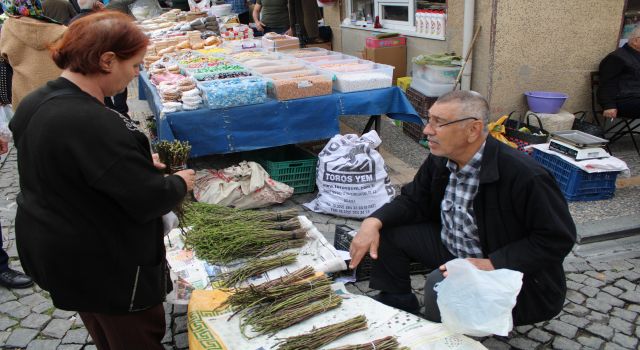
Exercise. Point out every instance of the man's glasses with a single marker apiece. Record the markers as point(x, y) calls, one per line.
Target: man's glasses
point(436, 122)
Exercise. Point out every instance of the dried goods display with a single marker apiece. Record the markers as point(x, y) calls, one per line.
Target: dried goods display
point(318, 337)
point(361, 81)
point(256, 267)
point(348, 67)
point(306, 52)
point(386, 343)
point(279, 68)
point(234, 92)
point(288, 89)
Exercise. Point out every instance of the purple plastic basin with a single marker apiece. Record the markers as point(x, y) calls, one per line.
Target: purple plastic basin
point(545, 101)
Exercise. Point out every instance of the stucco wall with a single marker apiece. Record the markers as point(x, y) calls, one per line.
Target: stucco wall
point(550, 45)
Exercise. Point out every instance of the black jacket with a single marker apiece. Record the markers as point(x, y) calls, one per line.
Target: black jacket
point(523, 222)
point(88, 225)
point(619, 77)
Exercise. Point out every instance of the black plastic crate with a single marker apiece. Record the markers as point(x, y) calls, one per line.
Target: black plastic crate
point(420, 102)
point(342, 240)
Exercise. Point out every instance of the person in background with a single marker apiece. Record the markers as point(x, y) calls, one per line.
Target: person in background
point(477, 199)
point(87, 7)
point(25, 37)
point(121, 5)
point(240, 7)
point(89, 224)
point(619, 90)
point(199, 5)
point(272, 16)
point(119, 101)
point(59, 10)
point(304, 16)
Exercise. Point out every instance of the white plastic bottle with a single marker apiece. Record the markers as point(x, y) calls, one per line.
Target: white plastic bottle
point(419, 21)
point(439, 19)
point(430, 23)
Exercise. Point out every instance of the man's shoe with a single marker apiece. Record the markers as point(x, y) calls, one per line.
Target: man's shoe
point(15, 279)
point(405, 302)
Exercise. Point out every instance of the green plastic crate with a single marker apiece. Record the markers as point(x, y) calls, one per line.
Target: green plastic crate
point(291, 165)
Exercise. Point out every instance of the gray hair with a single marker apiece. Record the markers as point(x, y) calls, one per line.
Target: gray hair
point(635, 33)
point(472, 104)
point(86, 4)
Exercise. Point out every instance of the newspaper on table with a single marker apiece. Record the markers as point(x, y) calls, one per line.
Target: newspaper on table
point(410, 330)
point(189, 273)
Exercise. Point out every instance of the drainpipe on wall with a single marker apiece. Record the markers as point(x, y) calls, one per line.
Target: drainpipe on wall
point(467, 35)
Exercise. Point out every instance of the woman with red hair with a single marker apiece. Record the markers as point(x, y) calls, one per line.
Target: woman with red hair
point(89, 219)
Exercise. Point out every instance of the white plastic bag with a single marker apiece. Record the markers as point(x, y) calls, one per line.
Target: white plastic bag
point(244, 186)
point(352, 179)
point(476, 302)
point(144, 9)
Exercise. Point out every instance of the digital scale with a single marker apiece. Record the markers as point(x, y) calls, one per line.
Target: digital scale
point(578, 145)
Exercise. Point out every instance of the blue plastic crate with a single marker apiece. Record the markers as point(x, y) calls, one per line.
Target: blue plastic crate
point(575, 183)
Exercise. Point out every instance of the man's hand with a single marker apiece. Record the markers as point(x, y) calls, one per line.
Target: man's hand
point(157, 163)
point(289, 31)
point(260, 26)
point(610, 113)
point(481, 264)
point(4, 146)
point(366, 240)
point(189, 177)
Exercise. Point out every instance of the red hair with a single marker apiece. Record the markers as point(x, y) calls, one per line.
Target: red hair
point(89, 37)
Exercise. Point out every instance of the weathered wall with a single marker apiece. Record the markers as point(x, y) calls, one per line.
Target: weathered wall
point(550, 45)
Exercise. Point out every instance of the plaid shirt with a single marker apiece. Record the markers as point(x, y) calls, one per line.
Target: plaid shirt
point(459, 230)
point(238, 6)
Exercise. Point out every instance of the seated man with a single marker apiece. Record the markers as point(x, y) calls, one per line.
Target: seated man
point(619, 90)
point(473, 198)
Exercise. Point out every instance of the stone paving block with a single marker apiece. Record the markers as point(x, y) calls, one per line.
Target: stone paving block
point(23, 291)
point(181, 340)
point(4, 336)
point(574, 285)
point(610, 299)
point(600, 276)
point(180, 324)
point(20, 337)
point(32, 300)
point(598, 317)
point(577, 310)
point(592, 282)
point(613, 275)
point(577, 267)
point(523, 343)
point(576, 277)
point(579, 322)
point(598, 305)
point(69, 347)
point(90, 347)
point(76, 336)
point(633, 276)
point(634, 308)
point(20, 312)
point(575, 297)
point(168, 308)
point(43, 344)
point(564, 343)
point(77, 323)
point(625, 340)
point(6, 295)
point(6, 322)
point(168, 337)
point(590, 341)
point(523, 329)
point(495, 344)
point(8, 306)
point(621, 265)
point(612, 290)
point(57, 328)
point(539, 335)
point(621, 325)
point(35, 321)
point(562, 328)
point(632, 297)
point(64, 314)
point(179, 310)
point(601, 330)
point(43, 307)
point(624, 284)
point(599, 266)
point(624, 314)
point(613, 346)
point(589, 291)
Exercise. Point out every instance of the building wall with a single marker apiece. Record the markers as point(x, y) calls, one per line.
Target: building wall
point(550, 45)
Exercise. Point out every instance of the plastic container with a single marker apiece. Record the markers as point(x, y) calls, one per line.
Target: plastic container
point(575, 183)
point(293, 74)
point(279, 68)
point(294, 88)
point(545, 101)
point(234, 92)
point(279, 42)
point(378, 77)
point(306, 52)
point(552, 122)
point(348, 66)
point(219, 10)
point(290, 165)
point(328, 58)
point(436, 74)
point(430, 89)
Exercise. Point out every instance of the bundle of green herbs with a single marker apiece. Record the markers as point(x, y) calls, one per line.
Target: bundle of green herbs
point(256, 267)
point(173, 154)
point(386, 343)
point(318, 337)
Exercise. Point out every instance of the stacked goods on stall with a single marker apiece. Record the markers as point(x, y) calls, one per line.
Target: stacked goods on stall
point(278, 42)
point(234, 92)
point(434, 75)
point(358, 75)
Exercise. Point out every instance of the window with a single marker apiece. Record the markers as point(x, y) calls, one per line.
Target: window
point(393, 14)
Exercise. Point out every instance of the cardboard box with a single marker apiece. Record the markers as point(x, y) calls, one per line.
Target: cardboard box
point(394, 56)
point(373, 42)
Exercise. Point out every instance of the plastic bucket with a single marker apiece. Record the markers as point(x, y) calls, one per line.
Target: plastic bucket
point(545, 101)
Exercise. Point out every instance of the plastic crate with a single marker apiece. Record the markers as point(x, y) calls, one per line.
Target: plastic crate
point(342, 240)
point(291, 165)
point(420, 102)
point(575, 183)
point(414, 131)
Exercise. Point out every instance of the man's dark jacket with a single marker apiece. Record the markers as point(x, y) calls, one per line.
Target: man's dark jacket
point(619, 77)
point(523, 222)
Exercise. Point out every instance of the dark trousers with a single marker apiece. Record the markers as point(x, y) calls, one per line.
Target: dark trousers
point(629, 108)
point(118, 103)
point(4, 258)
point(276, 30)
point(135, 330)
point(401, 245)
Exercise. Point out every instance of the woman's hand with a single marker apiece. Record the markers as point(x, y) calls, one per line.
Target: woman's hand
point(610, 113)
point(260, 26)
point(157, 163)
point(189, 177)
point(289, 32)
